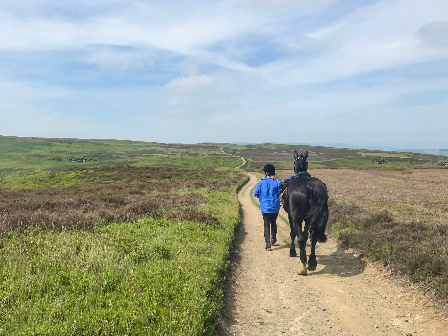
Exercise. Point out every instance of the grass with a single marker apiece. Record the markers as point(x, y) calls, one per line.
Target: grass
point(192, 161)
point(40, 154)
point(125, 277)
point(31, 154)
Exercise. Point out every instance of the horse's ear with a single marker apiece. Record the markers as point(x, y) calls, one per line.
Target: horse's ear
point(296, 155)
point(306, 154)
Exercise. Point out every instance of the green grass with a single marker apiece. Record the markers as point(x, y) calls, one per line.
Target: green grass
point(134, 278)
point(192, 161)
point(41, 179)
point(255, 200)
point(31, 154)
point(153, 276)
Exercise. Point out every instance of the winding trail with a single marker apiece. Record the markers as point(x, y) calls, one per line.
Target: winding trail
point(344, 296)
point(244, 162)
point(241, 165)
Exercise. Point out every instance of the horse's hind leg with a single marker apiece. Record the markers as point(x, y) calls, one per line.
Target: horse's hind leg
point(312, 262)
point(302, 237)
point(317, 235)
point(292, 249)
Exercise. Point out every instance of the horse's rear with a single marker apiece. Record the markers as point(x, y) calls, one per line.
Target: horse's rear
point(306, 200)
point(318, 208)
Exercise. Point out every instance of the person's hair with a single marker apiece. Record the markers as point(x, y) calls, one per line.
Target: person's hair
point(269, 170)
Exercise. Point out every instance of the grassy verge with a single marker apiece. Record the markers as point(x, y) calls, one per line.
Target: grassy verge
point(159, 274)
point(417, 250)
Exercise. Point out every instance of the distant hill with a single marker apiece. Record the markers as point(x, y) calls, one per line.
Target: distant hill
point(36, 154)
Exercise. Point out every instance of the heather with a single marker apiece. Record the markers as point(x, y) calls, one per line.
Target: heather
point(416, 249)
point(397, 217)
point(115, 250)
point(105, 195)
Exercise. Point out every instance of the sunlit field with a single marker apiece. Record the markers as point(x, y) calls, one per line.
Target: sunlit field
point(126, 250)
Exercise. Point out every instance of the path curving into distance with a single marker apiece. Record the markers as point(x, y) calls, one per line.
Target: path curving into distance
point(241, 165)
point(344, 296)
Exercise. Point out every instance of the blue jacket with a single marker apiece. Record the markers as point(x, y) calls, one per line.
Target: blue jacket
point(268, 191)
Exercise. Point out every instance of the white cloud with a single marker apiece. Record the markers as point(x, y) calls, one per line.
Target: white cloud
point(189, 84)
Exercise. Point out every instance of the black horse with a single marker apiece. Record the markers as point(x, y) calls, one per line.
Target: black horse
point(306, 199)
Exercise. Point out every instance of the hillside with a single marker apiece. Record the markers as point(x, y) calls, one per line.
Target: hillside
point(31, 154)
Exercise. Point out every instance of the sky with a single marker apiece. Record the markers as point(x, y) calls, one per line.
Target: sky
point(359, 72)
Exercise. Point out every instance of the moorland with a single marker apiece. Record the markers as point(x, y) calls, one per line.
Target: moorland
point(122, 237)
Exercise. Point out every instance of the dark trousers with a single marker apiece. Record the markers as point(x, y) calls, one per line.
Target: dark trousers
point(270, 225)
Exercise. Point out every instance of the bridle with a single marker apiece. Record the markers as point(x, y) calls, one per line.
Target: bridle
point(300, 157)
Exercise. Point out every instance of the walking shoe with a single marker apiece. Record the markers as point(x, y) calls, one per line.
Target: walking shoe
point(273, 241)
point(268, 246)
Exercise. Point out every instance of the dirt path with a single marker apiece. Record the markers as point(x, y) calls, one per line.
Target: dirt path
point(244, 162)
point(344, 296)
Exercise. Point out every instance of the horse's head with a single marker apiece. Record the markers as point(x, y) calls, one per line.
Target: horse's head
point(300, 162)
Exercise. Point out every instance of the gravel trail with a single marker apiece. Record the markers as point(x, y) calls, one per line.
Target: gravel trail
point(345, 296)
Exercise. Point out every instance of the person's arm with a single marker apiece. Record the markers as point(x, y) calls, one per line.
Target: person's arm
point(257, 190)
point(279, 188)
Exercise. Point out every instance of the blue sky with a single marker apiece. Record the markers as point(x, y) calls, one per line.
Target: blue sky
point(305, 71)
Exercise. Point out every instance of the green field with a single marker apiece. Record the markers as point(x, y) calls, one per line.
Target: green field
point(37, 154)
point(115, 250)
point(40, 154)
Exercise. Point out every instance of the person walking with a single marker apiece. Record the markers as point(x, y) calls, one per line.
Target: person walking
point(268, 192)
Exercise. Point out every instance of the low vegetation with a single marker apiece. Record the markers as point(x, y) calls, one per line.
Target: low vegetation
point(31, 154)
point(40, 154)
point(107, 251)
point(396, 216)
point(410, 195)
point(107, 237)
point(416, 249)
point(326, 157)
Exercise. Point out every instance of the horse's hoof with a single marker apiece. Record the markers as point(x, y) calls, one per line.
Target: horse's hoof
point(312, 267)
point(323, 238)
point(293, 254)
point(302, 269)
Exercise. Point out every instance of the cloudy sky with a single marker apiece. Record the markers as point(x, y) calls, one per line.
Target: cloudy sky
point(303, 71)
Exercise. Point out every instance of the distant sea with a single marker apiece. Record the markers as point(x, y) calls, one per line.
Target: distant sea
point(427, 151)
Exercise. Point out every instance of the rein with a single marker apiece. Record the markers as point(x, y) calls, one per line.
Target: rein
point(284, 191)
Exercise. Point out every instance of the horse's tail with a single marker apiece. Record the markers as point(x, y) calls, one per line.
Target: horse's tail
point(318, 208)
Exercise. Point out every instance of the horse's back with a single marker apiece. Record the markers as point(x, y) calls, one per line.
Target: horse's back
point(298, 196)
